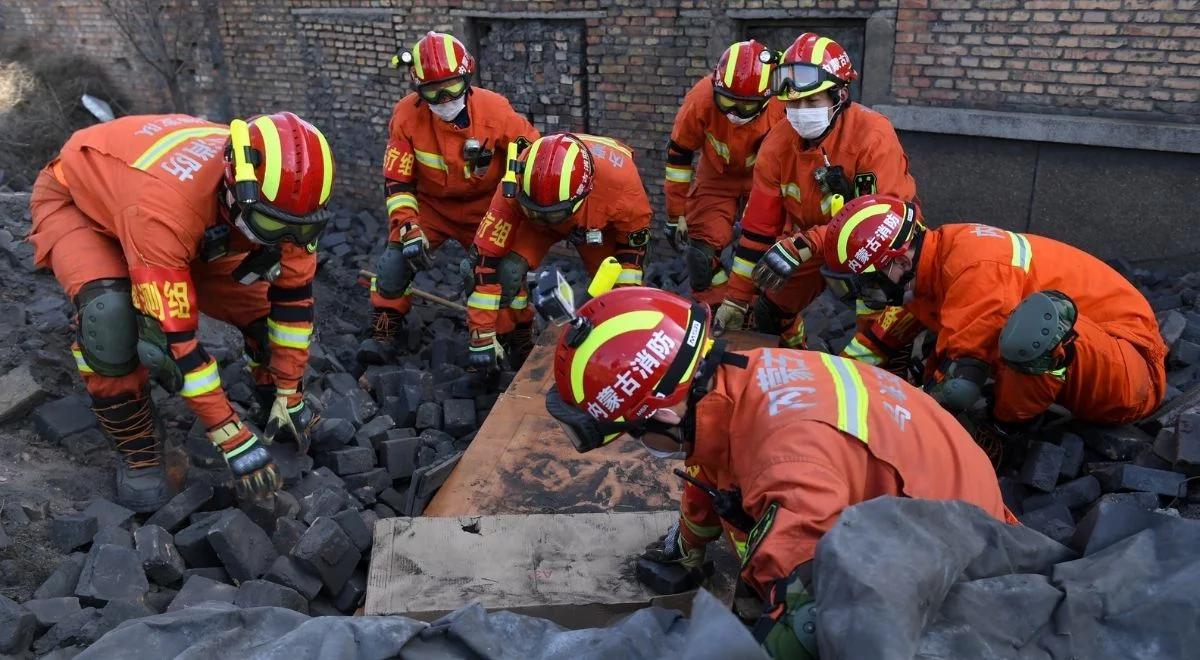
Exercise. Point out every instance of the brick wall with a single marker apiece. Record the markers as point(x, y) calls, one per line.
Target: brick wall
point(326, 59)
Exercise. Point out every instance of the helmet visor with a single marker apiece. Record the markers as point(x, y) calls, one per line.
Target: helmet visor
point(548, 215)
point(272, 226)
point(797, 80)
point(584, 431)
point(738, 107)
point(443, 90)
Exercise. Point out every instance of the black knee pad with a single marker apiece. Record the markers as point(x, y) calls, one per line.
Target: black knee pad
point(108, 327)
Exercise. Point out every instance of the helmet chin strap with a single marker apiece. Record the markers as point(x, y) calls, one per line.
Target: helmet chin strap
point(716, 357)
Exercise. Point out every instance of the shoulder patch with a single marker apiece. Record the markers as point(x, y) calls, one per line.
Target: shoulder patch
point(759, 532)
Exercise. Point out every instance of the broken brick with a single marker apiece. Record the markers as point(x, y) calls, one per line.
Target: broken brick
point(84, 444)
point(68, 632)
point(108, 514)
point(173, 514)
point(328, 551)
point(199, 589)
point(399, 456)
point(351, 460)
point(192, 544)
point(321, 503)
point(374, 431)
point(62, 580)
point(19, 392)
point(1125, 476)
point(1108, 522)
point(290, 573)
point(351, 522)
point(377, 478)
point(214, 573)
point(161, 561)
point(287, 532)
point(1074, 494)
point(1187, 450)
point(1042, 465)
point(356, 407)
point(1054, 521)
point(458, 417)
point(331, 434)
point(55, 420)
point(73, 531)
point(111, 572)
point(392, 498)
point(261, 593)
point(429, 416)
point(1146, 501)
point(1116, 443)
point(114, 536)
point(243, 547)
point(290, 462)
point(425, 482)
point(352, 594)
point(1072, 460)
point(50, 611)
point(113, 614)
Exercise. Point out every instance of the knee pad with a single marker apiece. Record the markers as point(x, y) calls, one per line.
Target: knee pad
point(768, 317)
point(394, 272)
point(1039, 325)
point(699, 260)
point(962, 384)
point(511, 274)
point(154, 353)
point(108, 327)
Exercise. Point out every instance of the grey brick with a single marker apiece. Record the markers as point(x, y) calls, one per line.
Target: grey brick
point(73, 531)
point(50, 611)
point(329, 552)
point(176, 511)
point(161, 561)
point(111, 573)
point(199, 589)
point(261, 593)
point(243, 547)
point(62, 580)
point(290, 573)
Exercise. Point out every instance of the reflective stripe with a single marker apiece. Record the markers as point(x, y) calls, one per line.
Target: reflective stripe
point(701, 530)
point(731, 63)
point(326, 166)
point(272, 158)
point(418, 69)
point(630, 277)
point(790, 190)
point(855, 220)
point(818, 53)
point(718, 146)
point(172, 140)
point(526, 184)
point(607, 142)
point(429, 159)
point(80, 363)
point(568, 168)
point(451, 58)
point(202, 380)
point(520, 302)
point(851, 394)
point(721, 277)
point(242, 447)
point(401, 200)
point(680, 174)
point(856, 350)
point(291, 336)
point(487, 301)
point(742, 267)
point(1022, 251)
point(739, 547)
point(600, 335)
point(861, 309)
point(764, 78)
point(751, 160)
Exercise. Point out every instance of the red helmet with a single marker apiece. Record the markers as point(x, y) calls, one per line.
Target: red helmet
point(637, 353)
point(281, 171)
point(557, 174)
point(869, 232)
point(440, 67)
point(812, 64)
point(742, 79)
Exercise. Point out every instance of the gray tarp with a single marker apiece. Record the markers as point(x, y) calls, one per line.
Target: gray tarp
point(900, 578)
point(218, 630)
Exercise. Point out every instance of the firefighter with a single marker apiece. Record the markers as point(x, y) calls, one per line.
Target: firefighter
point(147, 221)
point(1050, 323)
point(725, 117)
point(790, 438)
point(830, 149)
point(582, 188)
point(444, 158)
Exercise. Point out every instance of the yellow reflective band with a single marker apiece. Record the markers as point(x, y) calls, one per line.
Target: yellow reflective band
point(451, 59)
point(429, 159)
point(607, 142)
point(172, 140)
point(764, 78)
point(80, 363)
point(790, 190)
point(250, 362)
point(720, 278)
point(861, 309)
point(529, 161)
point(326, 166)
point(854, 221)
point(818, 54)
point(731, 63)
point(291, 336)
point(751, 160)
point(701, 530)
point(856, 350)
point(630, 277)
point(680, 174)
point(851, 395)
point(739, 547)
point(742, 267)
point(416, 63)
point(272, 159)
point(520, 302)
point(401, 200)
point(568, 168)
point(718, 146)
point(486, 301)
point(202, 380)
point(1022, 251)
point(600, 335)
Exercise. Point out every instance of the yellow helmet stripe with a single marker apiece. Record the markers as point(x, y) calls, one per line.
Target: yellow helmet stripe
point(272, 159)
point(529, 161)
point(731, 63)
point(451, 58)
point(416, 63)
point(600, 335)
point(326, 166)
point(764, 77)
point(818, 54)
point(568, 168)
point(854, 221)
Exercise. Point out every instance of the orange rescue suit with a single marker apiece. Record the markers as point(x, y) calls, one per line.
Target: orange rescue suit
point(615, 216)
point(428, 181)
point(970, 277)
point(804, 435)
point(131, 199)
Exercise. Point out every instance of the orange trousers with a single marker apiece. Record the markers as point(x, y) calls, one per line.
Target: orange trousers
point(82, 252)
point(711, 211)
point(437, 228)
point(1110, 381)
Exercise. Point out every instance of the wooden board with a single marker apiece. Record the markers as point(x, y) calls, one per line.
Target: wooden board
point(576, 569)
point(520, 462)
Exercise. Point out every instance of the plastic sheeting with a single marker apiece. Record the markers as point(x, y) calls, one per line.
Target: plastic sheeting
point(218, 630)
point(901, 578)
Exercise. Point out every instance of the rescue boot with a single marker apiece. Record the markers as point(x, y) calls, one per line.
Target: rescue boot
point(132, 425)
point(520, 344)
point(385, 325)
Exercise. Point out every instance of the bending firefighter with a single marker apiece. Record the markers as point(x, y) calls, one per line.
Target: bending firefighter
point(725, 117)
point(1051, 323)
point(798, 435)
point(444, 159)
point(147, 221)
point(582, 188)
point(830, 150)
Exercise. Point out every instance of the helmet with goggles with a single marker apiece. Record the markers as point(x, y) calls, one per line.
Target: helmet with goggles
point(863, 241)
point(742, 79)
point(280, 170)
point(440, 67)
point(557, 173)
point(811, 65)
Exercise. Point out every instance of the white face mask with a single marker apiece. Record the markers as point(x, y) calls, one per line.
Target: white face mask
point(449, 110)
point(658, 453)
point(809, 123)
point(739, 121)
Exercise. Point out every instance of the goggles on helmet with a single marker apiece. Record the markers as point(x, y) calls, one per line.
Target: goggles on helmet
point(271, 225)
point(548, 215)
point(796, 80)
point(738, 107)
point(442, 91)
